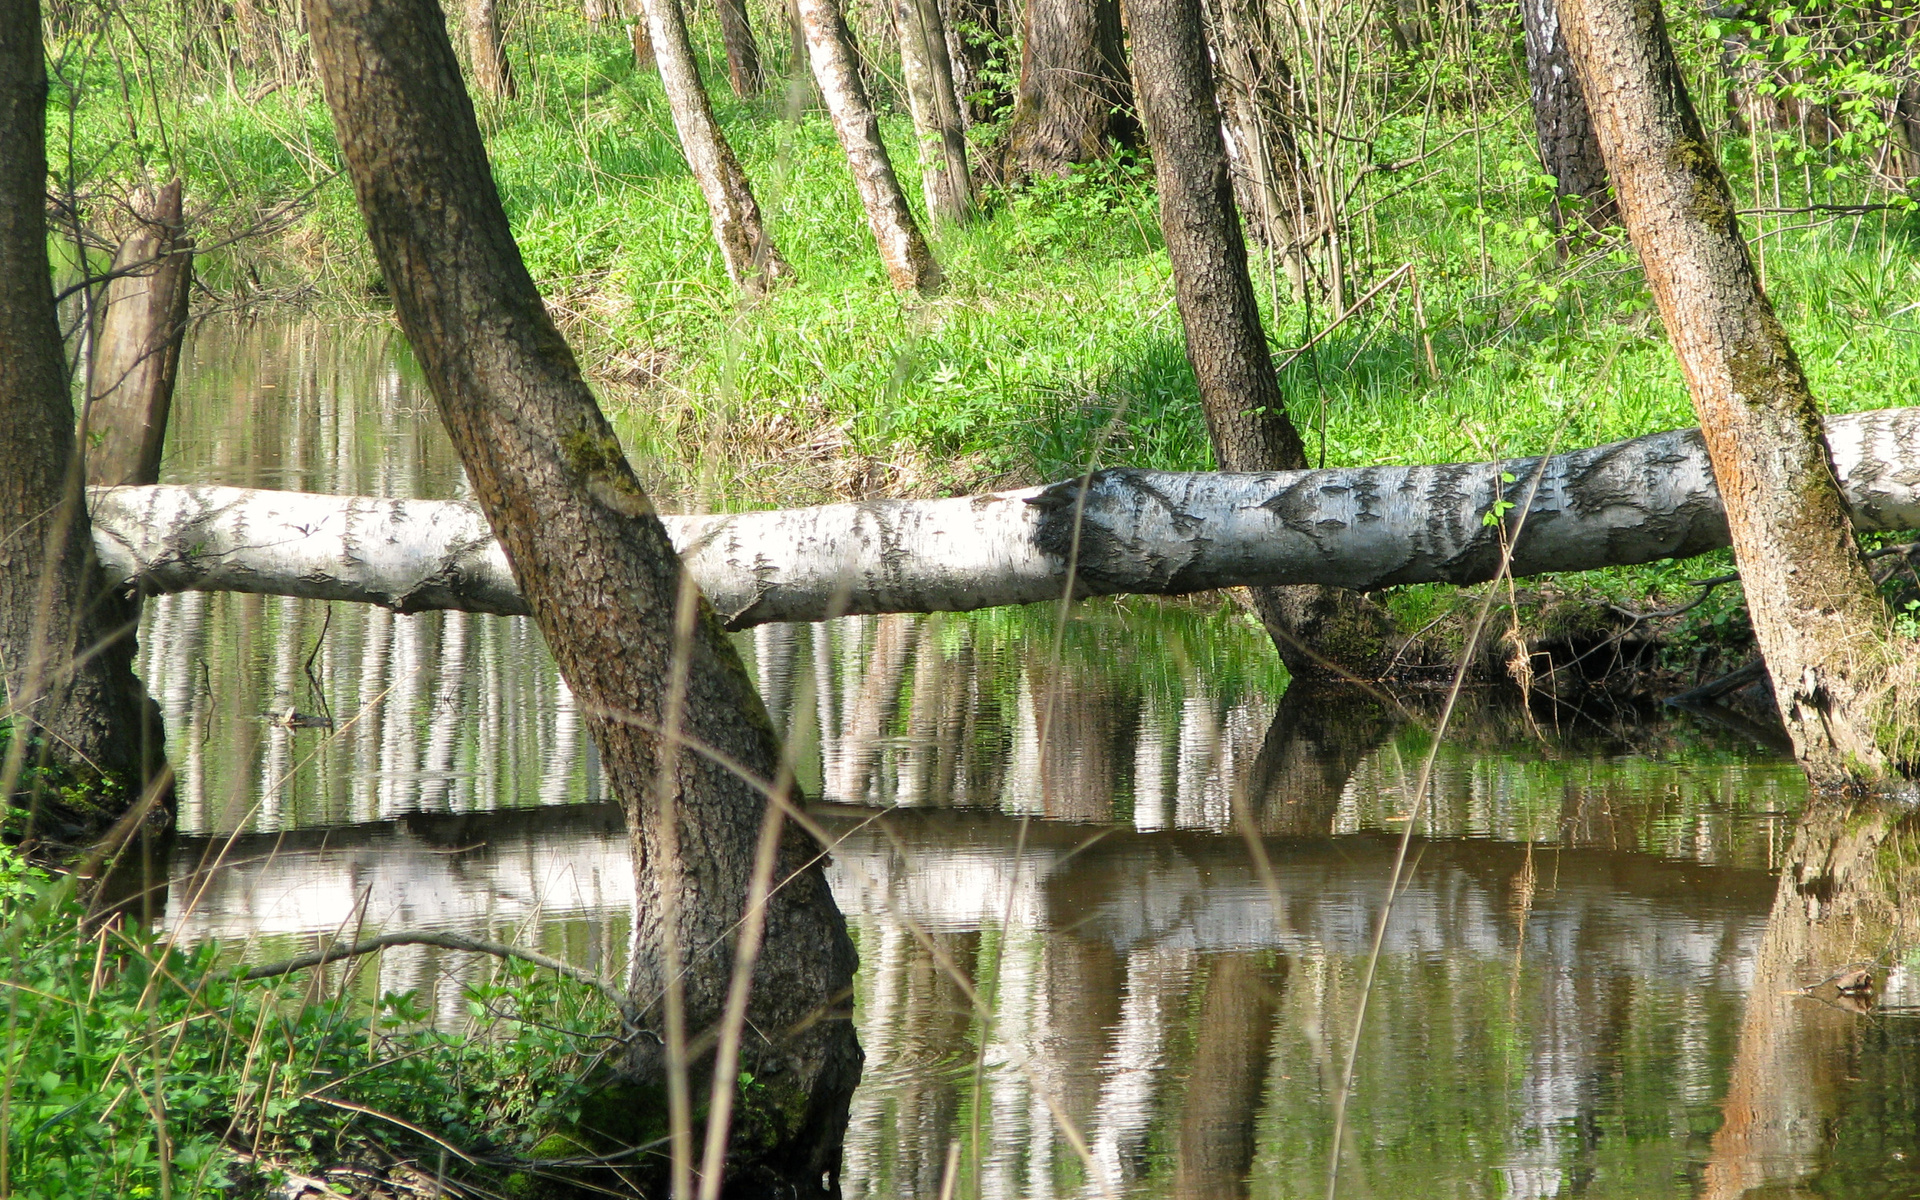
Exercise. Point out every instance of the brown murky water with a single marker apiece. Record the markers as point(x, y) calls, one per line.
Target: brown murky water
point(1590, 984)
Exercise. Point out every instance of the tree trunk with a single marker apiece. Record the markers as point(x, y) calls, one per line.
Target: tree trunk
point(1150, 532)
point(903, 250)
point(973, 28)
point(753, 262)
point(1246, 415)
point(491, 71)
point(743, 50)
point(1568, 149)
point(642, 39)
point(66, 640)
point(604, 587)
point(1073, 104)
point(1232, 1047)
point(1821, 625)
point(936, 116)
point(1270, 176)
point(137, 352)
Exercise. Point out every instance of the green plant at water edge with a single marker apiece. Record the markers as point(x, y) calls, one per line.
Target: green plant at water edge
point(135, 1068)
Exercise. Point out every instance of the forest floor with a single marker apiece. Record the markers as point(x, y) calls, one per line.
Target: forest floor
point(1055, 346)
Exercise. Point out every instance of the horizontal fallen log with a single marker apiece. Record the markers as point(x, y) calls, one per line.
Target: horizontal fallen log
point(1124, 531)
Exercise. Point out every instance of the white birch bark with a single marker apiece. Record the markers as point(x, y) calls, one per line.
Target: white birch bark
point(1136, 531)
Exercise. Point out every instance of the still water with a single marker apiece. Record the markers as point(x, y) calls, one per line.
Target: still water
point(1589, 986)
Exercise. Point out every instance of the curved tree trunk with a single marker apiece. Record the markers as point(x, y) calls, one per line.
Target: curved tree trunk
point(928, 72)
point(753, 262)
point(744, 72)
point(1149, 532)
point(66, 633)
point(491, 72)
point(604, 587)
point(1318, 631)
point(1073, 104)
point(1820, 622)
point(1568, 148)
point(903, 250)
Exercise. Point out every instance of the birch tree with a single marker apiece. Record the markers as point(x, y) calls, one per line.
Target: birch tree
point(1838, 671)
point(903, 249)
point(927, 70)
point(67, 686)
point(753, 262)
point(1568, 149)
point(684, 740)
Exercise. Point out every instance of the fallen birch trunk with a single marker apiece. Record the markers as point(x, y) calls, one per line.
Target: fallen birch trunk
point(1128, 531)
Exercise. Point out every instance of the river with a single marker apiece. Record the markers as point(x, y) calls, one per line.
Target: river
point(1588, 986)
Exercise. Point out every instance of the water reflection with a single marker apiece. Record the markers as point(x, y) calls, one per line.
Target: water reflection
point(1074, 982)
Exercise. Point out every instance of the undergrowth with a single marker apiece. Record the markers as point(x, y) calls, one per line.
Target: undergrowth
point(133, 1067)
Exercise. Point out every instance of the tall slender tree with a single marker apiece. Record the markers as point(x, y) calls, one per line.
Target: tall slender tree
point(903, 249)
point(744, 71)
point(66, 636)
point(1073, 104)
point(753, 262)
point(1316, 629)
point(1822, 627)
point(684, 740)
point(487, 49)
point(927, 70)
point(1568, 149)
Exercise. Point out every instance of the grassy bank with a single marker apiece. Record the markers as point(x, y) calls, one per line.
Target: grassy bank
point(134, 1068)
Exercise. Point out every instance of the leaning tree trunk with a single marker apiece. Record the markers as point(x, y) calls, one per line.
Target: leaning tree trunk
point(1568, 148)
point(752, 260)
point(488, 52)
point(942, 141)
point(1821, 625)
point(136, 354)
point(604, 586)
point(66, 634)
point(1073, 104)
point(744, 71)
point(903, 250)
point(1318, 631)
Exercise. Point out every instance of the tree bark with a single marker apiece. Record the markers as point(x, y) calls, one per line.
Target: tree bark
point(753, 262)
point(642, 39)
point(744, 71)
point(604, 586)
point(1148, 532)
point(903, 250)
point(1568, 149)
point(1316, 631)
point(66, 637)
point(1073, 104)
point(136, 354)
point(1820, 622)
point(973, 27)
point(942, 142)
point(1270, 179)
point(491, 71)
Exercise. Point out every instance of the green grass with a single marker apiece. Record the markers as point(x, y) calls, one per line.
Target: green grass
point(131, 1068)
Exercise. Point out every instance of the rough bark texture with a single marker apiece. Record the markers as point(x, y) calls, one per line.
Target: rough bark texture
point(973, 28)
point(602, 582)
point(1316, 630)
point(753, 262)
point(66, 641)
point(137, 352)
point(1256, 93)
point(491, 72)
point(1818, 619)
point(641, 37)
point(903, 250)
point(1139, 531)
point(1568, 149)
point(1073, 104)
point(743, 49)
point(928, 72)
